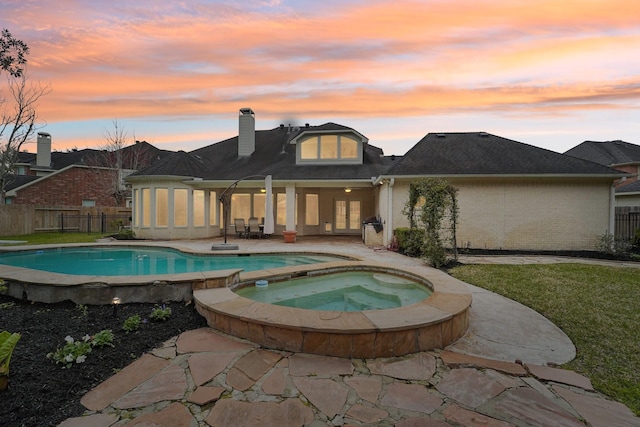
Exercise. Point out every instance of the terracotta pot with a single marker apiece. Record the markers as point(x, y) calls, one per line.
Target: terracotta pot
point(289, 236)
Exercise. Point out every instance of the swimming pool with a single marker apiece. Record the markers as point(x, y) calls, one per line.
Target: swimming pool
point(346, 291)
point(142, 261)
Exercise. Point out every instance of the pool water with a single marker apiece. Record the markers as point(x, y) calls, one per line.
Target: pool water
point(102, 261)
point(349, 291)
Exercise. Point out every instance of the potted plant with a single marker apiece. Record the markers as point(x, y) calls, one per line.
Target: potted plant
point(289, 236)
point(8, 342)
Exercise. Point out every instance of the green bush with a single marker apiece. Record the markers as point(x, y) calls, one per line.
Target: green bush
point(410, 241)
point(132, 323)
point(160, 313)
point(635, 241)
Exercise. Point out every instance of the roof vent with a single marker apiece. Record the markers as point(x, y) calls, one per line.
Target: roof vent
point(440, 135)
point(484, 135)
point(306, 125)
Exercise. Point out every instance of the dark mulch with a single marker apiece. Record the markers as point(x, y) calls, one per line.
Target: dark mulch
point(42, 393)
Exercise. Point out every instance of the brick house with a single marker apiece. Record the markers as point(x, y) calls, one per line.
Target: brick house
point(73, 178)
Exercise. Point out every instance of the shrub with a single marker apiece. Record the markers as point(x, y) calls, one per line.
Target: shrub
point(76, 351)
point(410, 241)
point(160, 313)
point(132, 323)
point(8, 342)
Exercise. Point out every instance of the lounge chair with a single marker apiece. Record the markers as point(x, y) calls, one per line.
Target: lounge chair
point(254, 228)
point(241, 231)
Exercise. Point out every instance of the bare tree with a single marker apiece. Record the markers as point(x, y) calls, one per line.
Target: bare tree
point(18, 121)
point(13, 54)
point(122, 157)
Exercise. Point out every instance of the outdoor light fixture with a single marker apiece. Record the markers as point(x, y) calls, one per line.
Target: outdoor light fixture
point(347, 190)
point(263, 190)
point(115, 301)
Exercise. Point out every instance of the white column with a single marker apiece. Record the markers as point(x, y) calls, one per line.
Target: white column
point(291, 207)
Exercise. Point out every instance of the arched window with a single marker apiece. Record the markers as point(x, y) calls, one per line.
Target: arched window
point(327, 147)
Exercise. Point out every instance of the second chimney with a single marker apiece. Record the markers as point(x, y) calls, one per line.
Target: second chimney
point(246, 132)
point(43, 156)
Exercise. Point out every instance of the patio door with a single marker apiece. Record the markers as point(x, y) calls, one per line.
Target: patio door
point(348, 217)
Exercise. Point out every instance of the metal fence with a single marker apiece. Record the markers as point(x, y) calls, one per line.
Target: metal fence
point(93, 223)
point(626, 224)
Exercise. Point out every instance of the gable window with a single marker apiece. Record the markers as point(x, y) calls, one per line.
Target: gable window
point(322, 148)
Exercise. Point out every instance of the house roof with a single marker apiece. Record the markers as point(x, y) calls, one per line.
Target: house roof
point(273, 155)
point(481, 153)
point(634, 187)
point(607, 153)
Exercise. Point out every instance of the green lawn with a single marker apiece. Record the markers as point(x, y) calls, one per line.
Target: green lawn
point(52, 238)
point(597, 307)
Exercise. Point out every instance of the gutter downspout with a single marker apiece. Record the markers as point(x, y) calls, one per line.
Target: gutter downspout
point(389, 225)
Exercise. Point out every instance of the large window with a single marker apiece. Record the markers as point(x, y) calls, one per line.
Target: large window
point(136, 207)
point(146, 207)
point(281, 209)
point(162, 207)
point(180, 200)
point(258, 205)
point(329, 147)
point(240, 207)
point(198, 208)
point(312, 210)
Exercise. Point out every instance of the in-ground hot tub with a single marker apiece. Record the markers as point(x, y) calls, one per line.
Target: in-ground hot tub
point(433, 322)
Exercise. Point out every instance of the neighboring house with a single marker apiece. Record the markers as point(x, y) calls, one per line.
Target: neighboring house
point(327, 179)
point(74, 178)
point(620, 155)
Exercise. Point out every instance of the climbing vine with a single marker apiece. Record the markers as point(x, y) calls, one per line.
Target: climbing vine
point(432, 211)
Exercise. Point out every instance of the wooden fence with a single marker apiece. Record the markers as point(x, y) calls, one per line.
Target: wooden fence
point(27, 219)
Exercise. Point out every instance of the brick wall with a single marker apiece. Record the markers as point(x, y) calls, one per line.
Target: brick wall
point(70, 187)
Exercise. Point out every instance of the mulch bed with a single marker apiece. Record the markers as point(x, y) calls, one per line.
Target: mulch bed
point(43, 393)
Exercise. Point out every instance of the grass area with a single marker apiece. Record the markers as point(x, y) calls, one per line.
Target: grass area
point(597, 307)
point(52, 238)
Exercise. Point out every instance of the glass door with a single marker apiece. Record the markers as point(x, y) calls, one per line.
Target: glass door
point(348, 216)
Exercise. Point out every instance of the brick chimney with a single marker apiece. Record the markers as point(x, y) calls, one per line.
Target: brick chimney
point(246, 132)
point(43, 157)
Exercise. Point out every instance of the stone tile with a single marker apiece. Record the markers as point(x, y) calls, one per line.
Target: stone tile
point(462, 360)
point(301, 364)
point(164, 352)
point(283, 339)
point(168, 384)
point(418, 367)
point(412, 397)
point(174, 415)
point(325, 394)
point(204, 395)
point(206, 366)
point(325, 343)
point(527, 406)
point(506, 380)
point(563, 376)
point(291, 412)
point(599, 412)
point(421, 422)
point(124, 381)
point(471, 419)
point(275, 383)
point(367, 414)
point(430, 337)
point(256, 363)
point(96, 420)
point(411, 315)
point(206, 339)
point(367, 388)
point(469, 387)
point(239, 380)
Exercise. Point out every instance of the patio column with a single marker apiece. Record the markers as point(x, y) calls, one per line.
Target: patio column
point(291, 206)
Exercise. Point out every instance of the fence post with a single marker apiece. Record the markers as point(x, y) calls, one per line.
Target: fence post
point(103, 223)
point(62, 223)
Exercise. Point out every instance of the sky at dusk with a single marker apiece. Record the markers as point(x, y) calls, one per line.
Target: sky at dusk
point(551, 73)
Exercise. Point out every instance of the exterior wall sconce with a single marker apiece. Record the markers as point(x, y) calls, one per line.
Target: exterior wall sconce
point(347, 190)
point(263, 190)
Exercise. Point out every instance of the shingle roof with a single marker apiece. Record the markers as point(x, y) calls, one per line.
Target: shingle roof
point(607, 152)
point(273, 155)
point(634, 187)
point(480, 153)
